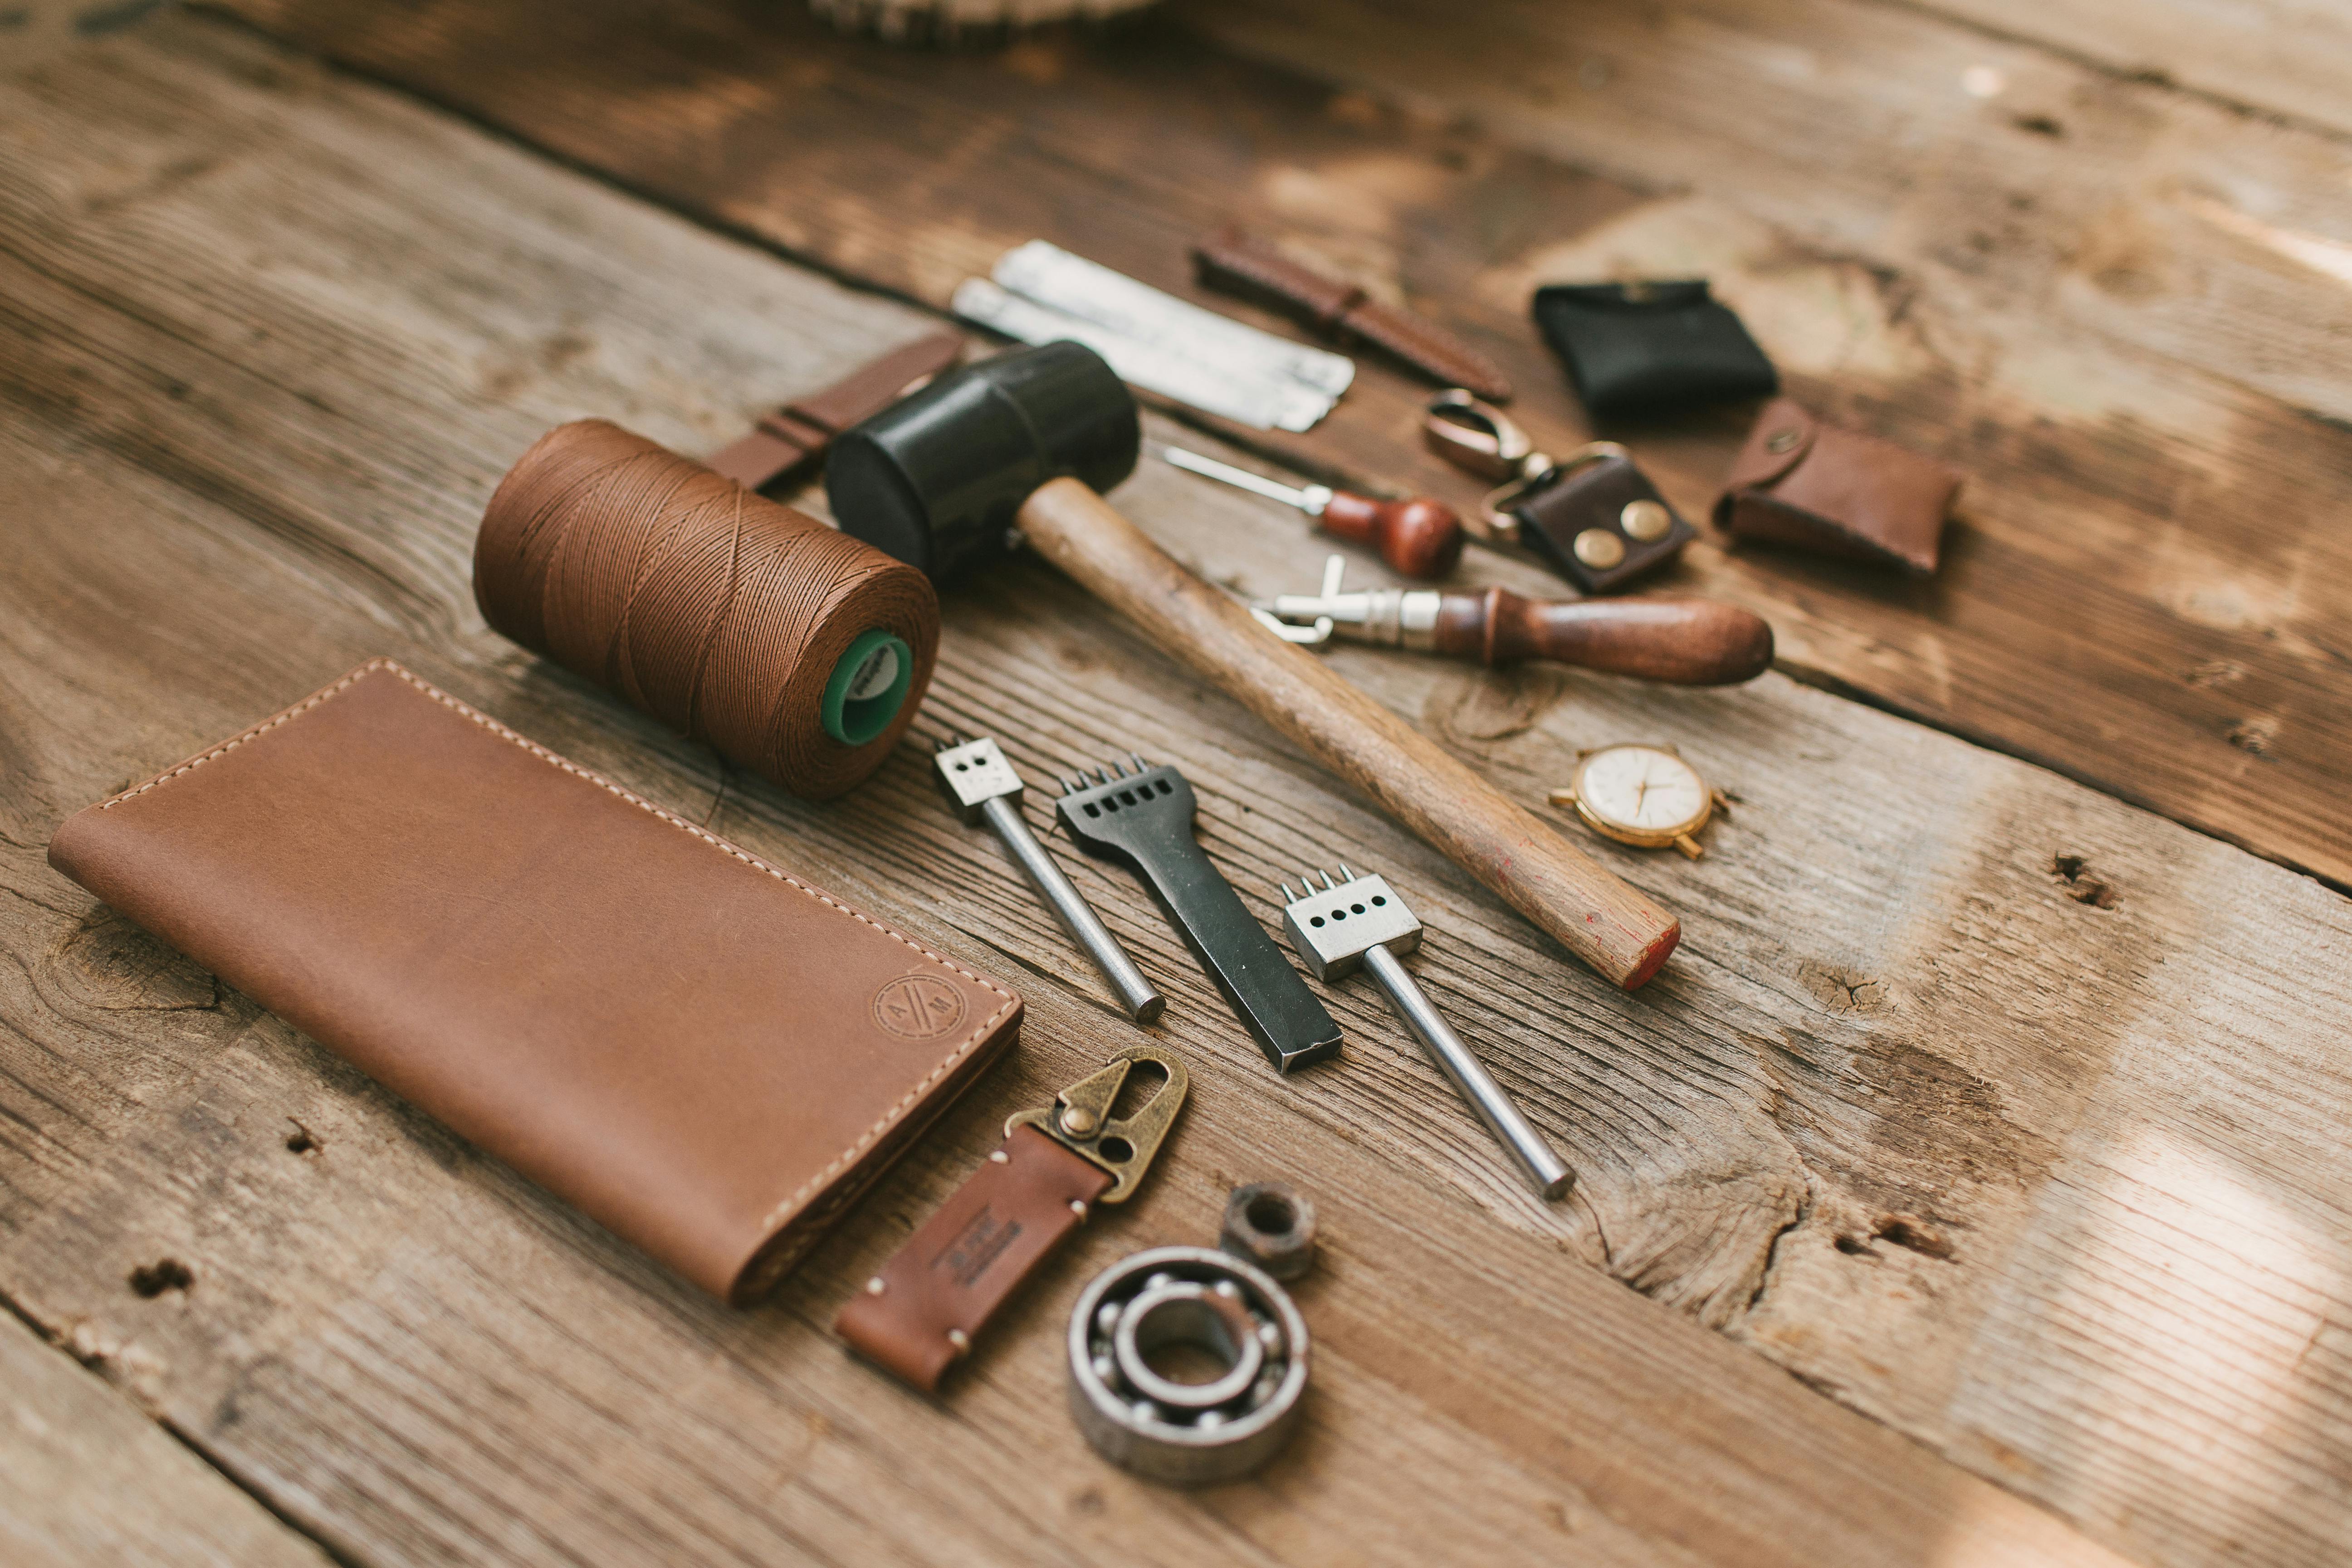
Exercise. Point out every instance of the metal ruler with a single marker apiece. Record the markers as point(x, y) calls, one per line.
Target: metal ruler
point(1041, 293)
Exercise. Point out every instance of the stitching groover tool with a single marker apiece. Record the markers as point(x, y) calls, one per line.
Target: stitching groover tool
point(1143, 819)
point(1684, 642)
point(1362, 923)
point(982, 786)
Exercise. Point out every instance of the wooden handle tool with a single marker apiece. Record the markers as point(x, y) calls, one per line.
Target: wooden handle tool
point(1684, 642)
point(1418, 538)
point(1602, 920)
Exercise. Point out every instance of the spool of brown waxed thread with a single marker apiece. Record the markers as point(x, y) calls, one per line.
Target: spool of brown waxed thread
point(794, 649)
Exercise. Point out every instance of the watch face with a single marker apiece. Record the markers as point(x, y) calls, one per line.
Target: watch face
point(1642, 789)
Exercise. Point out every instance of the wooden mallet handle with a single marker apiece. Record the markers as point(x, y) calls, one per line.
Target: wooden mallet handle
point(1600, 919)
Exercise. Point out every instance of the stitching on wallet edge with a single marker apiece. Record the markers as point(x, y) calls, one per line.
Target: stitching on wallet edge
point(865, 1140)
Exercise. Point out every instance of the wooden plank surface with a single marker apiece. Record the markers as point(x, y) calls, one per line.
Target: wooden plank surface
point(2147, 589)
point(2046, 1180)
point(2282, 58)
point(85, 1478)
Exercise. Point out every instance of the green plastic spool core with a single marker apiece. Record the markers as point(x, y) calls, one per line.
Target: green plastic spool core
point(863, 694)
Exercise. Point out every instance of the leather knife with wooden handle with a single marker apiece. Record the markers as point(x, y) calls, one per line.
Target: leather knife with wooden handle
point(1683, 642)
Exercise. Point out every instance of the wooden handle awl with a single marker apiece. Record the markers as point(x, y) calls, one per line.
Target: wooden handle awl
point(1611, 925)
point(1688, 642)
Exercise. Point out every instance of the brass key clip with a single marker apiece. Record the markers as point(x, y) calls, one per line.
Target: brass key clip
point(1472, 434)
point(1080, 1119)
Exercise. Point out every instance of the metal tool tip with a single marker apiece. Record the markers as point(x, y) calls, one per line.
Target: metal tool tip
point(1351, 876)
point(1328, 883)
point(1137, 757)
point(1287, 896)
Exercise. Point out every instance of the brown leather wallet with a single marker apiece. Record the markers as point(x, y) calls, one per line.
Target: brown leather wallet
point(703, 1053)
point(1802, 482)
point(803, 428)
point(1236, 263)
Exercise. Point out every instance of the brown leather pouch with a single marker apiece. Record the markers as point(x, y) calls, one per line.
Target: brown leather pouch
point(1600, 522)
point(708, 1055)
point(1808, 484)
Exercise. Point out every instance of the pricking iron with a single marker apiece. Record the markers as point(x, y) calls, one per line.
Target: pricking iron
point(981, 785)
point(1143, 819)
point(1361, 924)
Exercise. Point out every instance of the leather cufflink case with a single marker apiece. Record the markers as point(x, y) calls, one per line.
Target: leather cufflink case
point(1651, 348)
point(703, 1053)
point(1804, 483)
point(1602, 524)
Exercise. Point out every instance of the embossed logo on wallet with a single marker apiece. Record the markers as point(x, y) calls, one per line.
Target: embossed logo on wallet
point(918, 1007)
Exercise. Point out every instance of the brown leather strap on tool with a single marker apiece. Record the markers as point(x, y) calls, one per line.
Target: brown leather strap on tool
point(1236, 263)
point(803, 428)
point(921, 1313)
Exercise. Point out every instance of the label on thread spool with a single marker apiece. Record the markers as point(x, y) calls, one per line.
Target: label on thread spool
point(869, 683)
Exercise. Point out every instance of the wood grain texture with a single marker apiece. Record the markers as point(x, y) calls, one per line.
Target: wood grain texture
point(2153, 220)
point(2145, 589)
point(85, 1478)
point(2004, 1115)
point(1621, 933)
point(2284, 59)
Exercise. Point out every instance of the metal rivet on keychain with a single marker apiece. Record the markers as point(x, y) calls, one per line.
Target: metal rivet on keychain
point(1361, 922)
point(1599, 549)
point(1646, 521)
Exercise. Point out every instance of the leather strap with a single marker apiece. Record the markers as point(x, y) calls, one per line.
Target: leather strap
point(1237, 264)
point(932, 1299)
point(800, 430)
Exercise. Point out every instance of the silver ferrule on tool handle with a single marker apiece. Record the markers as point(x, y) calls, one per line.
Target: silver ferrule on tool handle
point(1361, 922)
point(983, 786)
point(1394, 618)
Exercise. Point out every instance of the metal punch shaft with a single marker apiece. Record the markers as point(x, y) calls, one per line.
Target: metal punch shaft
point(983, 786)
point(1543, 1166)
point(1361, 922)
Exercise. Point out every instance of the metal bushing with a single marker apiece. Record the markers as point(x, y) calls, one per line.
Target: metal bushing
point(1165, 1429)
point(1269, 1223)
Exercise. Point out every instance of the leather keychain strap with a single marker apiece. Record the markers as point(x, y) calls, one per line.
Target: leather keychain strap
point(789, 437)
point(920, 1314)
point(1237, 263)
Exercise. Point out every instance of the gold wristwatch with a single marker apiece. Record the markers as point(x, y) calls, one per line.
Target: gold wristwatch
point(1643, 795)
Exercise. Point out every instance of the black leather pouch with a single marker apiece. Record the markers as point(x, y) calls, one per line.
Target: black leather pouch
point(1600, 522)
point(1651, 348)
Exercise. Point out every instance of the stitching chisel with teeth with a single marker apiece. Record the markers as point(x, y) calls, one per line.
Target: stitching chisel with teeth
point(1143, 819)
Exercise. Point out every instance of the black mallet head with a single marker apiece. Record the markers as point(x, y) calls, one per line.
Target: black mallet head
point(935, 480)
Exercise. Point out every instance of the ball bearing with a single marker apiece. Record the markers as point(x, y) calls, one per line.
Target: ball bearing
point(1162, 1428)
